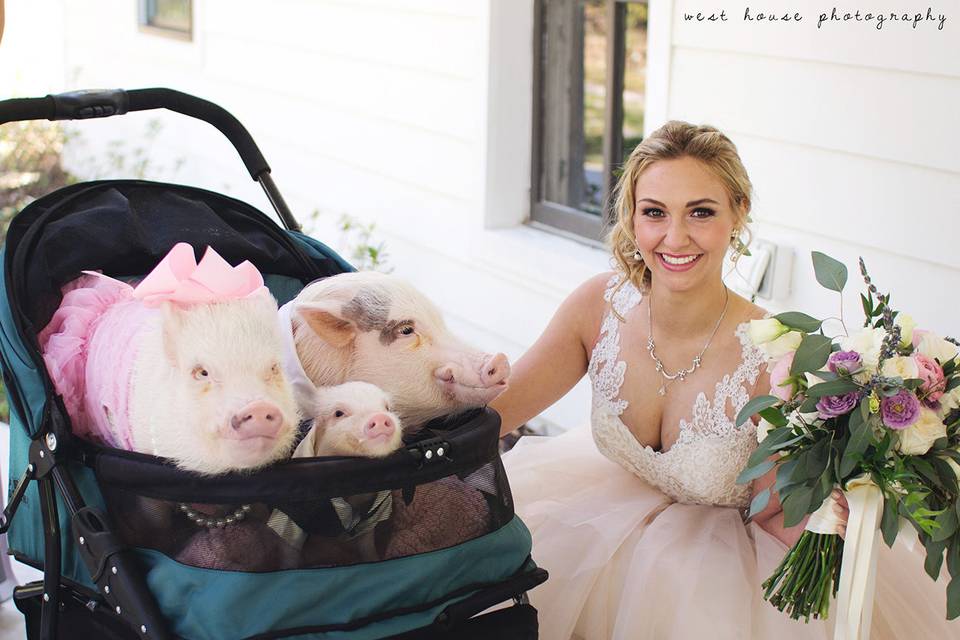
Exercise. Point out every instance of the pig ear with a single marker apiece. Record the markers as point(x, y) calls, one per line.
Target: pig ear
point(325, 320)
point(171, 324)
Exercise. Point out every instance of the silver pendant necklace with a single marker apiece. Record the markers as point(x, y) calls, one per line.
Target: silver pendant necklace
point(682, 373)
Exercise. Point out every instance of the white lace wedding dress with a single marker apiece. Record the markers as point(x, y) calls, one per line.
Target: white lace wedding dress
point(642, 544)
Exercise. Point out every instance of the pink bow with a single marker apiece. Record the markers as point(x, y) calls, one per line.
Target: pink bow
point(178, 278)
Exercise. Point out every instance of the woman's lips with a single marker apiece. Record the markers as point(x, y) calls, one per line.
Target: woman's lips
point(685, 266)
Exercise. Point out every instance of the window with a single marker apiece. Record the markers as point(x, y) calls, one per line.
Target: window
point(173, 18)
point(589, 83)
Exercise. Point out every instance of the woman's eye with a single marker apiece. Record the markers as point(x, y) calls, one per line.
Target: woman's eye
point(703, 212)
point(653, 212)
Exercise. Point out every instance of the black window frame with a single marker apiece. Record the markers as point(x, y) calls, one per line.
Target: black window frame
point(570, 221)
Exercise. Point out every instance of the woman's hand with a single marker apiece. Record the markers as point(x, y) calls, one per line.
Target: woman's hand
point(842, 509)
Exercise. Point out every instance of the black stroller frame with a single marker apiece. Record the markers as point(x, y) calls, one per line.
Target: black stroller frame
point(112, 564)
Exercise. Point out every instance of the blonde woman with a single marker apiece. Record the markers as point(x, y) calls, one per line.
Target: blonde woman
point(639, 519)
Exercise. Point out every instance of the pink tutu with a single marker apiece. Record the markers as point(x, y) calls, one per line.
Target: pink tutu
point(66, 344)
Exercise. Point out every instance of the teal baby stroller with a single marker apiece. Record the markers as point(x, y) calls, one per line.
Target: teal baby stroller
point(116, 533)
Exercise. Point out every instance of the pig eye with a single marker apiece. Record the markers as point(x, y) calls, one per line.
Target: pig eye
point(199, 373)
point(338, 414)
point(406, 330)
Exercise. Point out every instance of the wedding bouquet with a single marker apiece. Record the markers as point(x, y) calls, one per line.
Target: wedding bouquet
point(874, 408)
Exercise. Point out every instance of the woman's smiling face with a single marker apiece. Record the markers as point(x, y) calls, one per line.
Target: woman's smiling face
point(682, 223)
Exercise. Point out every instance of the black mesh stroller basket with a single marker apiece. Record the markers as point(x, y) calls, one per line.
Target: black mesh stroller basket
point(413, 545)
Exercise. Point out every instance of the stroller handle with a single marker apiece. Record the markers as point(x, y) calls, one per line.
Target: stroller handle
point(83, 105)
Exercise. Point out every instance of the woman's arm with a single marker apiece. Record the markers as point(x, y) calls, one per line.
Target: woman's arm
point(557, 360)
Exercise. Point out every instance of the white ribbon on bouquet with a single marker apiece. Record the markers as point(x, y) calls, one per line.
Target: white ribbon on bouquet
point(854, 606)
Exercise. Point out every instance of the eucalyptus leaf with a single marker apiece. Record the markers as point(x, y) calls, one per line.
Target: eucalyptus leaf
point(860, 439)
point(808, 406)
point(752, 473)
point(953, 384)
point(837, 387)
point(948, 525)
point(799, 321)
point(768, 446)
point(890, 521)
point(754, 406)
point(831, 273)
point(934, 561)
point(811, 354)
point(953, 557)
point(818, 458)
point(953, 599)
point(785, 476)
point(796, 505)
point(773, 416)
point(759, 502)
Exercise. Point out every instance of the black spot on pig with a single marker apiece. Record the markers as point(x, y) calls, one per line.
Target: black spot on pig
point(369, 309)
point(389, 333)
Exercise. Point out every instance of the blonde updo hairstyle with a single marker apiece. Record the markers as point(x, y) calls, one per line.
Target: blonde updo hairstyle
point(677, 139)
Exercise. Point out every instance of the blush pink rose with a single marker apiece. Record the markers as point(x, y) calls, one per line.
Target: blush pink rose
point(779, 374)
point(933, 380)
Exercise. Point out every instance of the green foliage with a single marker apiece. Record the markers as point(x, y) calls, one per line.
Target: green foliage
point(799, 321)
point(812, 354)
point(830, 273)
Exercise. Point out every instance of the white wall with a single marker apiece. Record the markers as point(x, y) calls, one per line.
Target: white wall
point(851, 139)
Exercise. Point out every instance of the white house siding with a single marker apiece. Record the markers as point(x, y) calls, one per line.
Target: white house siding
point(417, 114)
point(851, 139)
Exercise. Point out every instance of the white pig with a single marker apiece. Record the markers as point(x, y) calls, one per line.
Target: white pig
point(209, 391)
point(377, 328)
point(185, 366)
point(352, 419)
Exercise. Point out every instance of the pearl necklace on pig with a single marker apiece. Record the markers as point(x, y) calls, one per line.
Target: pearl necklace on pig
point(203, 520)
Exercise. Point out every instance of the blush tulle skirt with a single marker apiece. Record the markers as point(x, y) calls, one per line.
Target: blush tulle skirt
point(628, 563)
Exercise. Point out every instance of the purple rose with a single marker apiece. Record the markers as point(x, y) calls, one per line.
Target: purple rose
point(844, 361)
point(900, 411)
point(835, 406)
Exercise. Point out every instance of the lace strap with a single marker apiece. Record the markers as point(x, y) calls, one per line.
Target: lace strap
point(606, 370)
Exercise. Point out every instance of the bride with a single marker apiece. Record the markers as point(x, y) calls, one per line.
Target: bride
point(639, 519)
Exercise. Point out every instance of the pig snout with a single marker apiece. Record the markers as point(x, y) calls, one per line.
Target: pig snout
point(379, 425)
point(470, 384)
point(256, 420)
point(494, 370)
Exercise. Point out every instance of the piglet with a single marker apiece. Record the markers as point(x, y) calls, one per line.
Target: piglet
point(186, 366)
point(352, 419)
point(377, 328)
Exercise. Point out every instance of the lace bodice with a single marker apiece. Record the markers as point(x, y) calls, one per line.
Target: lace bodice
point(703, 464)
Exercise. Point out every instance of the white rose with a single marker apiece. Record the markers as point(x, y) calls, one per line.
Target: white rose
point(949, 401)
point(907, 325)
point(766, 330)
point(798, 419)
point(900, 367)
point(763, 428)
point(868, 343)
point(933, 346)
point(783, 345)
point(917, 439)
